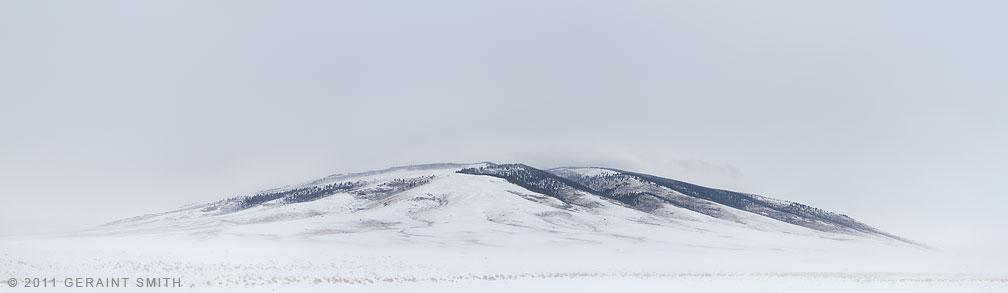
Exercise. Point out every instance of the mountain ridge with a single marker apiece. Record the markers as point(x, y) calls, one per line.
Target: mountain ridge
point(568, 198)
point(739, 200)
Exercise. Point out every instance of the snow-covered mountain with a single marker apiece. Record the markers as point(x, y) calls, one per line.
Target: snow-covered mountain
point(489, 227)
point(501, 204)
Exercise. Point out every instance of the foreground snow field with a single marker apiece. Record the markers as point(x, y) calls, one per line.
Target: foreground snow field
point(480, 227)
point(261, 264)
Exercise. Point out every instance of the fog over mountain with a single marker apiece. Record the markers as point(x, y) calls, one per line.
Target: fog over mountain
point(891, 112)
point(701, 146)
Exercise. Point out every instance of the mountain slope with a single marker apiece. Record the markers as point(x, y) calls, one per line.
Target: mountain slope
point(649, 192)
point(512, 205)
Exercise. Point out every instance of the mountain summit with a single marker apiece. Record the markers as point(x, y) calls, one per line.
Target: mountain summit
point(511, 204)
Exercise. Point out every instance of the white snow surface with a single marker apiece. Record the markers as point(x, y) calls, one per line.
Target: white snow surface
point(460, 233)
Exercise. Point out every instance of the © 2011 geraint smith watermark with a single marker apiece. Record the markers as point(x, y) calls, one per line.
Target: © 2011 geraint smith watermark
point(99, 282)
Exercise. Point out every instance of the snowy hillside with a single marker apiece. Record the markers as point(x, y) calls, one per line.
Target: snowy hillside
point(482, 202)
point(650, 193)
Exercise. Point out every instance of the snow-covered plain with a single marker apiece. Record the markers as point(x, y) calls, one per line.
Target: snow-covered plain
point(454, 232)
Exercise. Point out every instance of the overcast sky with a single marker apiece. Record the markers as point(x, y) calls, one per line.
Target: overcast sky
point(893, 112)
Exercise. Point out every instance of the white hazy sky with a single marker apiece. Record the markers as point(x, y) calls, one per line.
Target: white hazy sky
point(893, 112)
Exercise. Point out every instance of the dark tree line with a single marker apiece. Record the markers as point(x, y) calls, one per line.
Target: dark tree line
point(646, 196)
point(311, 193)
point(535, 180)
point(403, 184)
point(294, 195)
point(786, 211)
